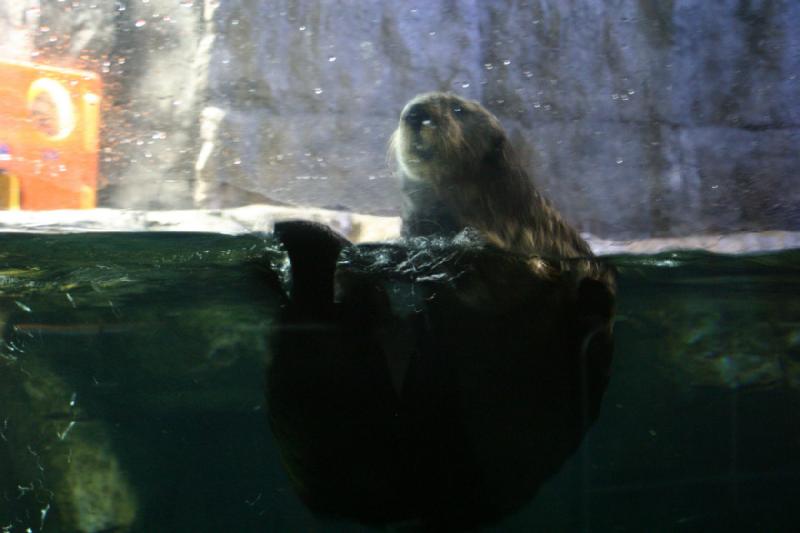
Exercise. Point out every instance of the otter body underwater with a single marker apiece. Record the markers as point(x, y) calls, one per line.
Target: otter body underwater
point(459, 170)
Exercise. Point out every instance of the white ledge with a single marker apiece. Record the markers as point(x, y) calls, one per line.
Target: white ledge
point(357, 227)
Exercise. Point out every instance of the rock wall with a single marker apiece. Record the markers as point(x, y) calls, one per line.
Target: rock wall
point(638, 117)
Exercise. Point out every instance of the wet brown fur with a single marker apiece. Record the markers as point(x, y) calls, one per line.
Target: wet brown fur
point(462, 162)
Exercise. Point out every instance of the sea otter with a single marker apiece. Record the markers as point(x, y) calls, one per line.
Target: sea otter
point(459, 170)
point(437, 383)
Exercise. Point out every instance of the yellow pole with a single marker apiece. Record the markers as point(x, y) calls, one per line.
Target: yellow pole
point(9, 191)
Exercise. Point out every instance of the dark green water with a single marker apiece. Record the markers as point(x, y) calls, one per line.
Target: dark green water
point(137, 361)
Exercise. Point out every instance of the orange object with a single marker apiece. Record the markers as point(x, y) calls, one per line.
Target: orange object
point(49, 129)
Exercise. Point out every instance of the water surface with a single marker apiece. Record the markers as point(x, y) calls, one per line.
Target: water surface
point(147, 352)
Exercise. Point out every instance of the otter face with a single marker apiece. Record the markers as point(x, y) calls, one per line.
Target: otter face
point(442, 137)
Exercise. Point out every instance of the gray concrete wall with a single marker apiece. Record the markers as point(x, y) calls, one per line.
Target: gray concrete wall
point(637, 117)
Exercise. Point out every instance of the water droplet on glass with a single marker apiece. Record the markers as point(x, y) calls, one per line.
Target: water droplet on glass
point(235, 22)
point(488, 66)
point(44, 29)
point(302, 28)
point(620, 161)
point(139, 23)
point(465, 85)
point(317, 90)
point(237, 161)
point(506, 62)
point(331, 59)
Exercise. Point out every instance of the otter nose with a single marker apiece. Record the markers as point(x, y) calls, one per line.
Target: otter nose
point(416, 116)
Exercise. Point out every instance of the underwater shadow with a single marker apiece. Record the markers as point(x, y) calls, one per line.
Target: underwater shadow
point(433, 381)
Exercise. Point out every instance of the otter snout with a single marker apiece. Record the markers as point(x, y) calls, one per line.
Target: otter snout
point(416, 116)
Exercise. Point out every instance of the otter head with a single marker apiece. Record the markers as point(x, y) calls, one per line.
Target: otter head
point(443, 139)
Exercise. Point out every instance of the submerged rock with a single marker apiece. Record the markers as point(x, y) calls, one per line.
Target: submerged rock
point(64, 463)
point(105, 342)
